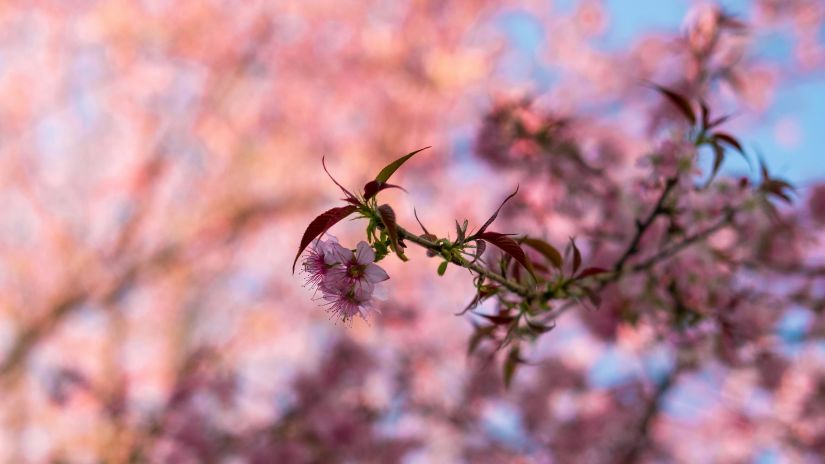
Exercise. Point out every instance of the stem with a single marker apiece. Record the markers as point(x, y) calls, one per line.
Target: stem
point(674, 249)
point(459, 261)
point(641, 227)
point(640, 439)
point(665, 253)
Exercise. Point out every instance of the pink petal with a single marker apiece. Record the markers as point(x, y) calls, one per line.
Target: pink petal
point(335, 281)
point(337, 254)
point(364, 253)
point(363, 291)
point(373, 273)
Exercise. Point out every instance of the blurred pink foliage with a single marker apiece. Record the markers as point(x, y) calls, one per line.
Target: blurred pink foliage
point(160, 160)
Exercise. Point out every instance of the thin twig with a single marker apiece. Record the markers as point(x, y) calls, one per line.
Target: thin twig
point(459, 261)
point(643, 226)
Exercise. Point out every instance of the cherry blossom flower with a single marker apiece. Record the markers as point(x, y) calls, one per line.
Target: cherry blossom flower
point(348, 302)
point(346, 279)
point(355, 270)
point(315, 264)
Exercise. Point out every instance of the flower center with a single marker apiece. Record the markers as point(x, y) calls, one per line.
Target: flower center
point(356, 270)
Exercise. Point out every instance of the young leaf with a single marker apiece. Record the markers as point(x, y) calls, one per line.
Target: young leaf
point(460, 231)
point(500, 319)
point(594, 297)
point(372, 188)
point(478, 336)
point(390, 169)
point(350, 198)
point(705, 114)
point(539, 328)
point(679, 101)
point(718, 158)
point(426, 232)
point(510, 365)
point(577, 256)
point(731, 141)
point(591, 271)
point(387, 216)
point(718, 121)
point(509, 246)
point(320, 225)
point(484, 292)
point(481, 245)
point(442, 268)
point(495, 215)
point(547, 250)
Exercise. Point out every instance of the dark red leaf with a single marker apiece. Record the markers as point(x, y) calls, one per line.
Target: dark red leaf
point(372, 188)
point(679, 101)
point(509, 246)
point(718, 121)
point(547, 250)
point(539, 328)
point(764, 169)
point(350, 198)
point(499, 320)
point(426, 232)
point(460, 231)
point(495, 215)
point(718, 158)
point(577, 256)
point(705, 114)
point(390, 169)
point(387, 216)
point(594, 297)
point(484, 292)
point(481, 245)
point(777, 188)
point(730, 140)
point(320, 225)
point(591, 271)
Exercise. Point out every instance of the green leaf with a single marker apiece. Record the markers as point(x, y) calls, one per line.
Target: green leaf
point(442, 268)
point(390, 169)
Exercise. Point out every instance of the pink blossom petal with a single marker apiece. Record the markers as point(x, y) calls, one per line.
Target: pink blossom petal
point(363, 290)
point(337, 254)
point(373, 273)
point(364, 253)
point(336, 280)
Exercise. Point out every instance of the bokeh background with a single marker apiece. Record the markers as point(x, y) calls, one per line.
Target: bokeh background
point(159, 161)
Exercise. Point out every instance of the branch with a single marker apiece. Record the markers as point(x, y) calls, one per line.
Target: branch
point(640, 438)
point(509, 284)
point(641, 227)
point(686, 242)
